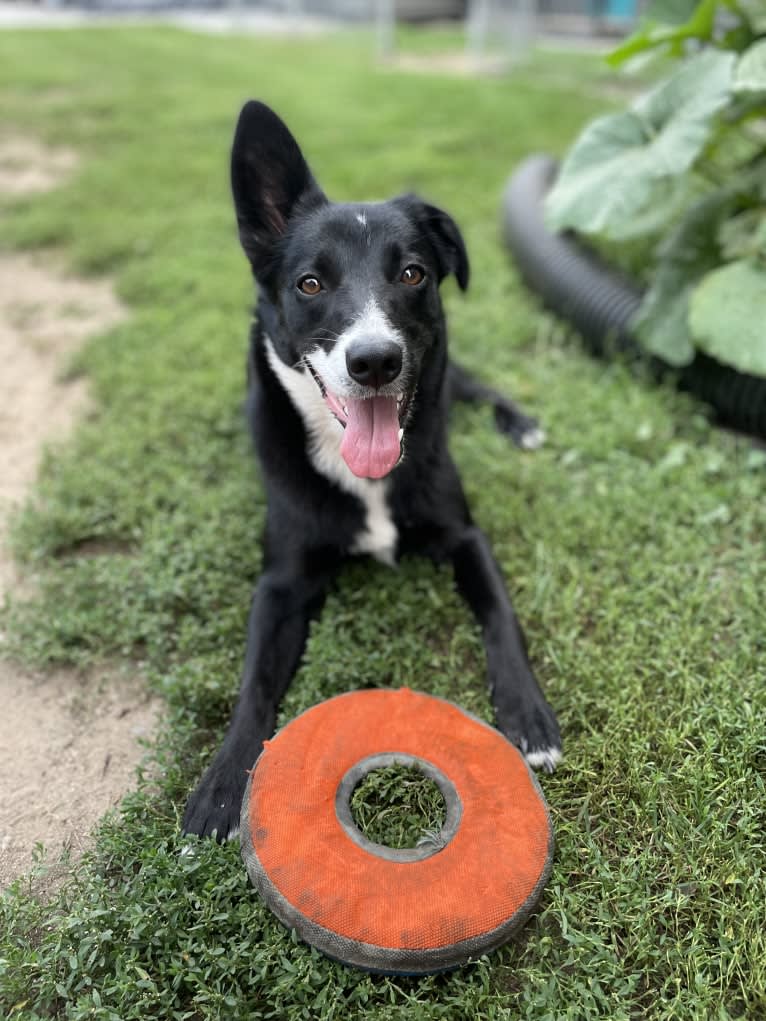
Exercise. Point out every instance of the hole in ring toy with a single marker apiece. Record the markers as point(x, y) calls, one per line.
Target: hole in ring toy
point(460, 893)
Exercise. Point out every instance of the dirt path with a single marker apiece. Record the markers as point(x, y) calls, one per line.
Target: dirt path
point(68, 743)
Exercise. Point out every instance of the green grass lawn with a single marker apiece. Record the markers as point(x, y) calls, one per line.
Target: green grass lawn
point(632, 544)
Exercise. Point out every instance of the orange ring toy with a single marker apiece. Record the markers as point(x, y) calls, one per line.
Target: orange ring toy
point(410, 911)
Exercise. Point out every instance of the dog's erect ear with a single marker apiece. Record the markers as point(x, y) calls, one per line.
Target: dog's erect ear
point(270, 179)
point(445, 237)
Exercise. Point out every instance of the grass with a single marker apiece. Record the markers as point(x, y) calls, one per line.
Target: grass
point(632, 543)
point(397, 806)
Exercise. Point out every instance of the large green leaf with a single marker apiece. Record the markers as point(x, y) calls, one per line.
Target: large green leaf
point(743, 236)
point(669, 24)
point(661, 324)
point(727, 313)
point(612, 171)
point(670, 12)
point(755, 13)
point(688, 252)
point(750, 73)
point(664, 205)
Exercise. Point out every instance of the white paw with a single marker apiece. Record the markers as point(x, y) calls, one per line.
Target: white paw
point(544, 758)
point(533, 438)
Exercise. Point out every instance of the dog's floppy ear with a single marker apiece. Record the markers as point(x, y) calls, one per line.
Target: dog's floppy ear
point(445, 237)
point(448, 242)
point(270, 179)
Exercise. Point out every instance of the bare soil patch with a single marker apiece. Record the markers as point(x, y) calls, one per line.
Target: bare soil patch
point(69, 744)
point(460, 64)
point(44, 318)
point(69, 747)
point(27, 166)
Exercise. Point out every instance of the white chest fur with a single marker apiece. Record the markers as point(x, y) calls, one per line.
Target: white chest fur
point(379, 535)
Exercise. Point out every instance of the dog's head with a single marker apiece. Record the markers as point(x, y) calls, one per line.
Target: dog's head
point(349, 292)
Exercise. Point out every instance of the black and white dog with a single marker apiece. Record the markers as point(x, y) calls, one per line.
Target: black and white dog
point(349, 389)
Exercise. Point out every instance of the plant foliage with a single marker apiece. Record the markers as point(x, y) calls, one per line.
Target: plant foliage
point(683, 172)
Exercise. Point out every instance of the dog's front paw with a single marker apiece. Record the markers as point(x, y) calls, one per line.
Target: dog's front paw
point(535, 732)
point(214, 808)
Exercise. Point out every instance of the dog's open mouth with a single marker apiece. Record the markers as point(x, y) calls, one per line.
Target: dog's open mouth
point(373, 429)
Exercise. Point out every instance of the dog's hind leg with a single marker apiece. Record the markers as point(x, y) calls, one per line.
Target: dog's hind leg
point(509, 418)
point(289, 593)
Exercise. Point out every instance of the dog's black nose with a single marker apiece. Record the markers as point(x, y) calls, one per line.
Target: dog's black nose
point(374, 362)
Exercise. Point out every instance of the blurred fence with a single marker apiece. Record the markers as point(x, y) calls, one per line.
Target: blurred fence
point(476, 13)
point(498, 33)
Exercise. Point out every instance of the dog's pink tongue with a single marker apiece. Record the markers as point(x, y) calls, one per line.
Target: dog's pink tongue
point(370, 444)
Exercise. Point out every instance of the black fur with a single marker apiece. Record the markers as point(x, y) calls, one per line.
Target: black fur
point(289, 231)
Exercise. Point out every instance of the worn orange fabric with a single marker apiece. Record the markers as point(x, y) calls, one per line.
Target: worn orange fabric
point(484, 875)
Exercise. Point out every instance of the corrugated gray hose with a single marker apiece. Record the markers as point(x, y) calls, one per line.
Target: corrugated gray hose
point(599, 301)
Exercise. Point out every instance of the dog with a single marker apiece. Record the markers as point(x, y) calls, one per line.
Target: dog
point(349, 387)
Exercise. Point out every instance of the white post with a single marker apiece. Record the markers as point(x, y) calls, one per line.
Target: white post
point(477, 28)
point(385, 24)
point(504, 29)
point(522, 28)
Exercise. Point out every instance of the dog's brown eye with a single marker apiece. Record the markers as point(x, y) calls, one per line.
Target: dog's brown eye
point(309, 285)
point(412, 275)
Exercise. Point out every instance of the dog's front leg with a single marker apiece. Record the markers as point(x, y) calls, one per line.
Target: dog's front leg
point(522, 713)
point(283, 604)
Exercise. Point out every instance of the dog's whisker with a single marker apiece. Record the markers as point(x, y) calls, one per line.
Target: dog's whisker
point(321, 340)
